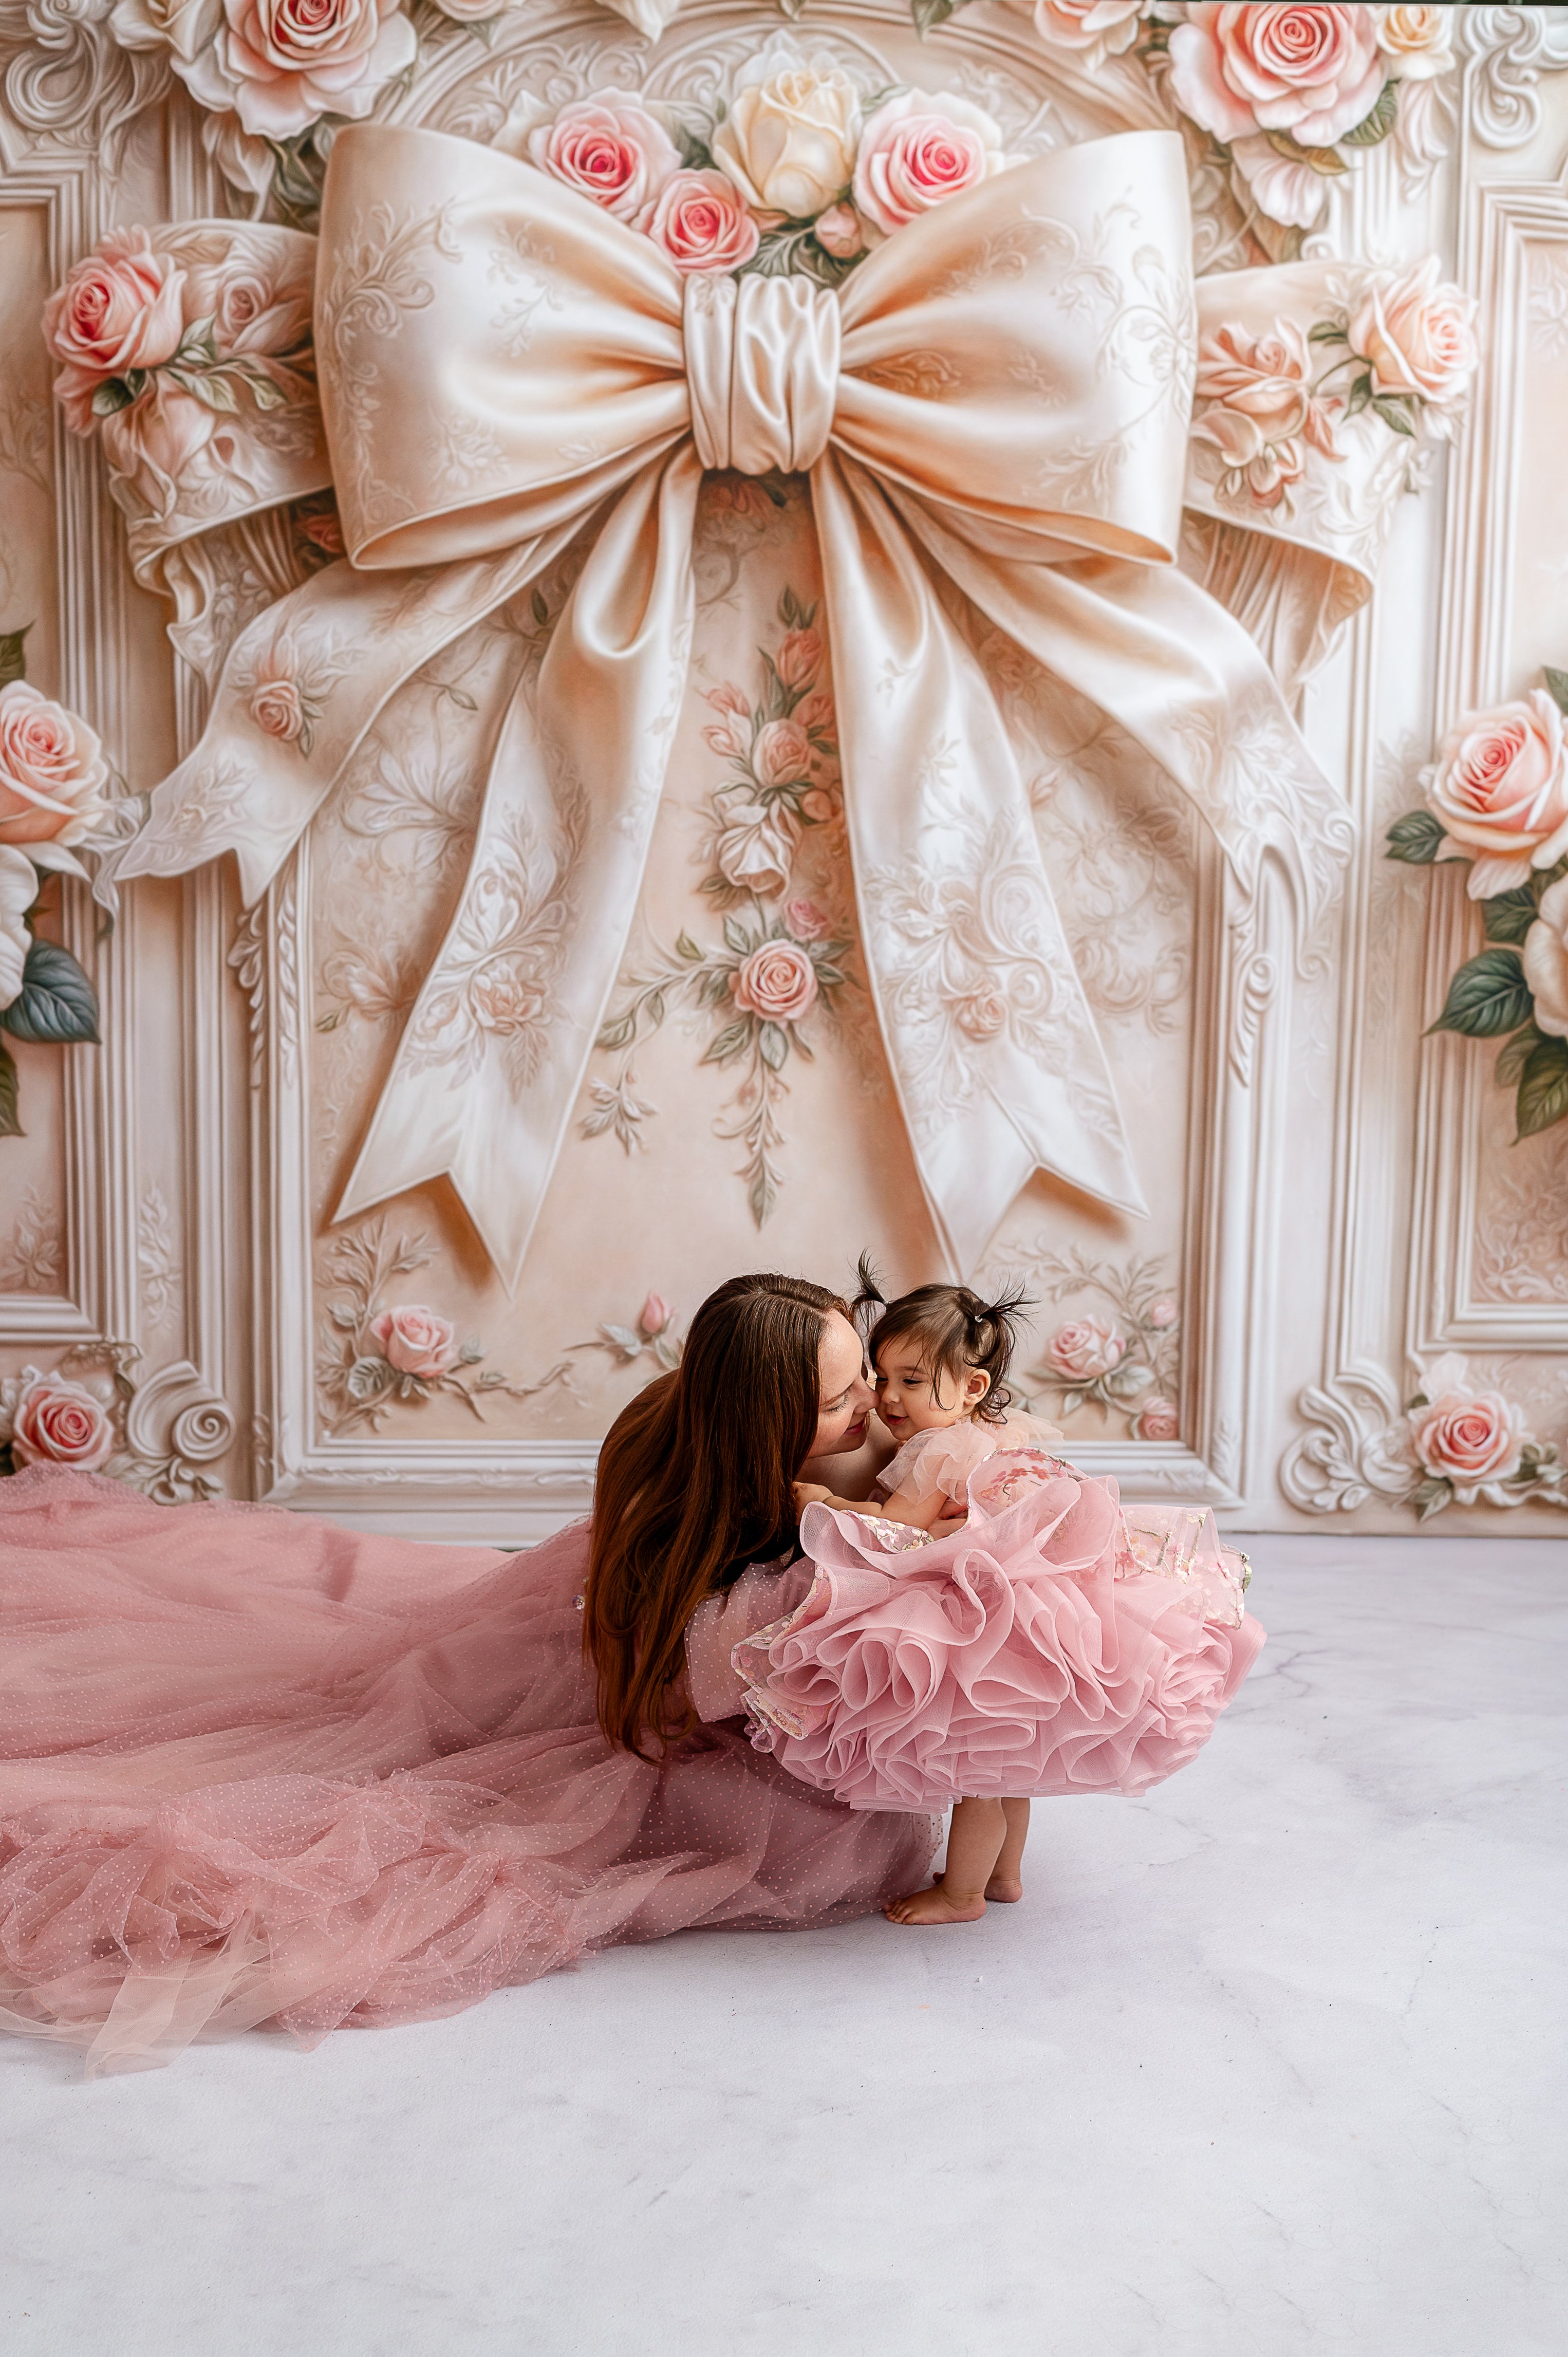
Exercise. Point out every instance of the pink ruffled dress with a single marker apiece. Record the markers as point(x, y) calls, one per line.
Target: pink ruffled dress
point(1056, 1643)
point(259, 1769)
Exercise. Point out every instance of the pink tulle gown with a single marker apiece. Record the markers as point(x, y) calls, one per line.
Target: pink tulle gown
point(1056, 1643)
point(259, 1769)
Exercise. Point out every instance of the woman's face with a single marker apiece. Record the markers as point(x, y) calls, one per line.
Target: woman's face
point(846, 1392)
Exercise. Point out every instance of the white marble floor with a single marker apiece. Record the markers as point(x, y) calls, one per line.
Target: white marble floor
point(1269, 2063)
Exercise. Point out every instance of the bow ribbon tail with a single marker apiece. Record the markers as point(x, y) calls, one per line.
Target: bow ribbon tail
point(993, 1049)
point(1185, 681)
point(302, 686)
point(489, 1065)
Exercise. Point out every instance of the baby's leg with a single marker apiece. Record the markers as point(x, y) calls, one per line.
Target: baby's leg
point(1006, 1882)
point(975, 1841)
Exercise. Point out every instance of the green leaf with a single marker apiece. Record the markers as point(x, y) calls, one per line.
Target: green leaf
point(12, 655)
point(655, 1006)
point(1392, 409)
point(56, 1002)
point(1361, 394)
point(264, 393)
point(111, 395)
point(1429, 1497)
point(1326, 331)
point(619, 1033)
point(736, 938)
point(1416, 838)
point(10, 1117)
point(1556, 685)
point(1509, 915)
point(1543, 1088)
point(1488, 996)
point(1323, 160)
point(773, 1041)
point(1514, 1055)
point(214, 389)
point(762, 1196)
point(928, 14)
point(1377, 125)
point(685, 947)
point(728, 1043)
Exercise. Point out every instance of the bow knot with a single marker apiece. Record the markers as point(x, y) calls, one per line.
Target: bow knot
point(762, 370)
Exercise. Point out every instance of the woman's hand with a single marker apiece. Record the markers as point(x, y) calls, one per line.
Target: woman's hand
point(808, 1493)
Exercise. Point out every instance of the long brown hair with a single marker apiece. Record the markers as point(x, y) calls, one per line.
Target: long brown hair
point(694, 1483)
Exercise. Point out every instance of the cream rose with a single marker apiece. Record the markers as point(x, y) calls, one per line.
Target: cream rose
point(52, 770)
point(1546, 960)
point(782, 755)
point(18, 890)
point(980, 1014)
point(806, 920)
point(1098, 28)
point(1417, 42)
point(1084, 1350)
point(1463, 1436)
point(609, 147)
point(1418, 334)
point(788, 143)
point(777, 982)
point(288, 62)
point(256, 306)
point(700, 224)
point(755, 848)
point(185, 27)
point(1499, 789)
point(919, 150)
point(1158, 1420)
point(1264, 407)
point(1312, 70)
point(56, 1422)
point(416, 1342)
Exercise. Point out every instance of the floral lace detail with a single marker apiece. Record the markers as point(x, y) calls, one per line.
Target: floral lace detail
point(375, 278)
point(498, 979)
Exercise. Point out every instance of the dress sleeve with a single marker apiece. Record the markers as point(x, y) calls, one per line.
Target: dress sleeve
point(942, 1461)
point(764, 1592)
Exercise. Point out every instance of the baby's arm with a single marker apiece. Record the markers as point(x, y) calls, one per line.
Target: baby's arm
point(920, 1513)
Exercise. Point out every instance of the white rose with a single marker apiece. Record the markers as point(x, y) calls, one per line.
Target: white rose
point(184, 26)
point(788, 144)
point(18, 890)
point(1417, 42)
point(1546, 960)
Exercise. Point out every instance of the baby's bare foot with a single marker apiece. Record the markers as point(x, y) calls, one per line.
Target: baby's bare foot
point(1007, 1888)
point(935, 1905)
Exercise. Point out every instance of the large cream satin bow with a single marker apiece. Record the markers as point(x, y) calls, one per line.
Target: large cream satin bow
point(995, 403)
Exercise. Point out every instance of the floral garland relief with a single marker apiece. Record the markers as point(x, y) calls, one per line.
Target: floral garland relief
point(1126, 1364)
point(777, 962)
point(52, 803)
point(1497, 800)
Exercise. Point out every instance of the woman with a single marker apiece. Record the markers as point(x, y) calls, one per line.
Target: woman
point(255, 1769)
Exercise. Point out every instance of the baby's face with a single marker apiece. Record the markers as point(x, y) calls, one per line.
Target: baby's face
point(907, 1392)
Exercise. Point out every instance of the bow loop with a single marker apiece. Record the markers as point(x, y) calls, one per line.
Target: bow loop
point(762, 367)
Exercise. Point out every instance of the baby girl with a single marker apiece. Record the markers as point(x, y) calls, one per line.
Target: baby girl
point(939, 1356)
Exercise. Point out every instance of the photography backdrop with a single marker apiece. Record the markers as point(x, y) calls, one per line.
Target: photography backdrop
point(1334, 1203)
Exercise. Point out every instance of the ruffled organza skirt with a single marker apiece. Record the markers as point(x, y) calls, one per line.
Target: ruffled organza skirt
point(261, 1770)
point(1053, 1645)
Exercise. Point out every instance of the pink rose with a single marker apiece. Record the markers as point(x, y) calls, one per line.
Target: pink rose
point(1312, 70)
point(1102, 29)
point(917, 151)
point(817, 806)
point(1546, 960)
point(728, 698)
point(61, 1423)
point(700, 224)
point(1164, 1313)
point(416, 1342)
point(52, 770)
point(1499, 789)
point(291, 61)
point(122, 307)
point(839, 232)
point(980, 1014)
point(817, 711)
point(1418, 334)
point(324, 531)
point(607, 147)
point(1159, 1420)
point(654, 1316)
point(1085, 1350)
point(777, 982)
point(799, 657)
point(1465, 1436)
point(806, 920)
point(782, 753)
point(276, 709)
